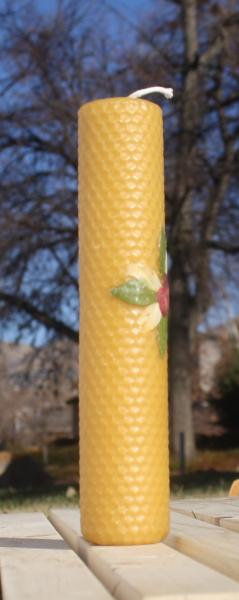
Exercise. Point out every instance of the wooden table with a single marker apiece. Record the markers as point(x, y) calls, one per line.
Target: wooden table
point(48, 558)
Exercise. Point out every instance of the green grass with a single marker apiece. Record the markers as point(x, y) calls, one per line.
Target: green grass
point(29, 500)
point(202, 484)
point(209, 484)
point(210, 475)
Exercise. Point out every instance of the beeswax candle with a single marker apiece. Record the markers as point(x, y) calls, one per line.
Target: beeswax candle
point(124, 489)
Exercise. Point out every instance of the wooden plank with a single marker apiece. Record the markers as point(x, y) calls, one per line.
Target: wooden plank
point(223, 513)
point(232, 523)
point(36, 564)
point(211, 545)
point(152, 572)
point(221, 507)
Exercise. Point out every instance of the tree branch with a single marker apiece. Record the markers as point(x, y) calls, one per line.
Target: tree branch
point(23, 305)
point(223, 247)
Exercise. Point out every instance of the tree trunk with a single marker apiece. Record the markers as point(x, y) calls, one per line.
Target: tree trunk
point(182, 309)
point(180, 369)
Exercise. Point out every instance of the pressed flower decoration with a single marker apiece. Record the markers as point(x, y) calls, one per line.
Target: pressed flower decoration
point(144, 287)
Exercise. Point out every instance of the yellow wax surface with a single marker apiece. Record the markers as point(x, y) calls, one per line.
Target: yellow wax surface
point(124, 487)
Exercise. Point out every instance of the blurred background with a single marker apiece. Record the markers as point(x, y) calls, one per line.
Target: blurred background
point(56, 55)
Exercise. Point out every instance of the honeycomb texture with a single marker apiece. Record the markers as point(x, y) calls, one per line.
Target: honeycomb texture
point(124, 483)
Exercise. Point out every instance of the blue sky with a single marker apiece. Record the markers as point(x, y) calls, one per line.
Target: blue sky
point(133, 11)
point(129, 7)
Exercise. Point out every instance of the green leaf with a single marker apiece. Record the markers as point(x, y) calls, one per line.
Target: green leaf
point(135, 291)
point(162, 253)
point(162, 334)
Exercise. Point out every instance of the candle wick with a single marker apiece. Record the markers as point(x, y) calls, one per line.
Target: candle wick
point(167, 92)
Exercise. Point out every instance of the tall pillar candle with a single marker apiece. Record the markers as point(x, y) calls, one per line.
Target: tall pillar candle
point(124, 486)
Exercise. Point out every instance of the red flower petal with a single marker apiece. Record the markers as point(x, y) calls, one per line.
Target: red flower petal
point(163, 297)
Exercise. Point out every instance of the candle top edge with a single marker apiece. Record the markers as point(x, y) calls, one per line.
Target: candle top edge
point(121, 99)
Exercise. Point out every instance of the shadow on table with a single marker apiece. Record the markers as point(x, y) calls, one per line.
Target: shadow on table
point(32, 543)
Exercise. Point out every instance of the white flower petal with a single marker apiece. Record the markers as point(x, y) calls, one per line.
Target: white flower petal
point(150, 317)
point(154, 280)
point(142, 272)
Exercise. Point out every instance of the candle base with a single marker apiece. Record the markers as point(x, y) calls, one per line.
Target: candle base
point(119, 537)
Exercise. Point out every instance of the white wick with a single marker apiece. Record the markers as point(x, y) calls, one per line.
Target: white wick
point(167, 92)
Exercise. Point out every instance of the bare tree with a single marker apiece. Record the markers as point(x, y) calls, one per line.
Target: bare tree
point(49, 67)
point(193, 47)
point(52, 65)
